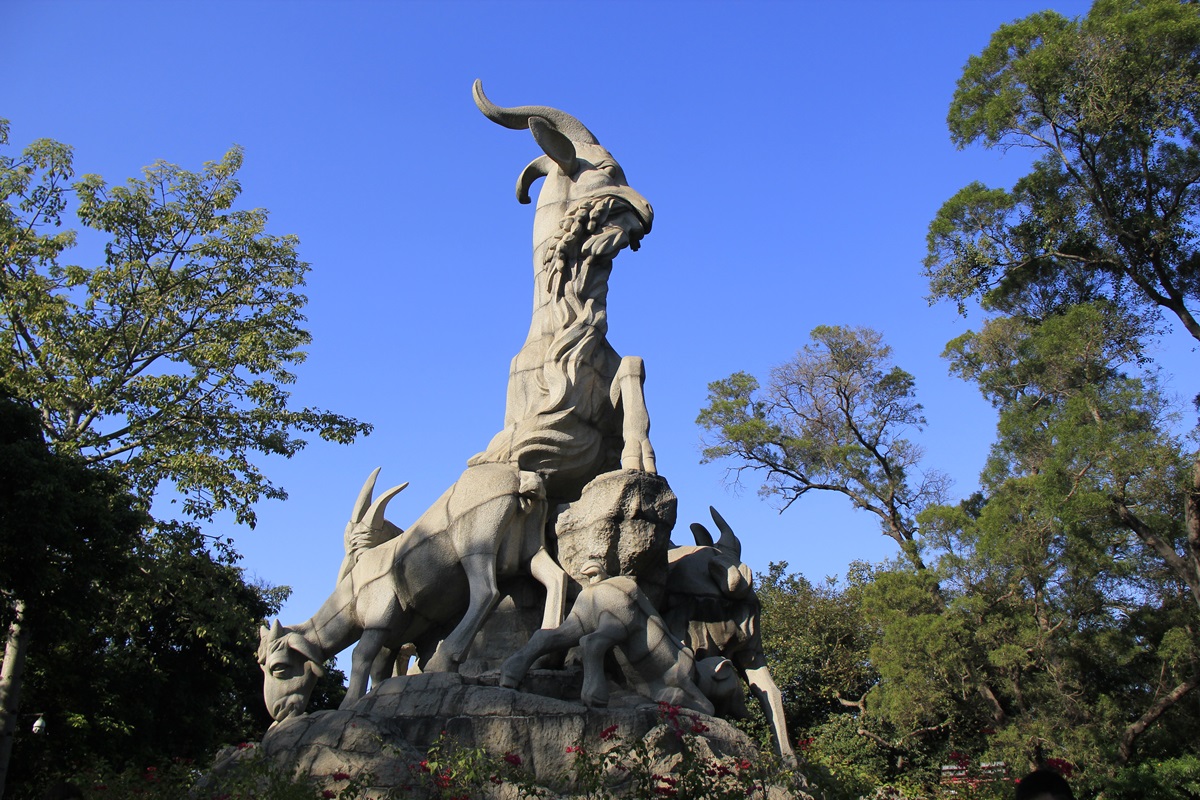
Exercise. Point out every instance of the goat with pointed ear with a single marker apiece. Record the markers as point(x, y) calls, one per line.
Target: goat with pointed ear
point(725, 567)
point(292, 665)
point(711, 607)
point(367, 528)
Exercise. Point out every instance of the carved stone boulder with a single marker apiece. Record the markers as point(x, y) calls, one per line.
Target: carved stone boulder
point(623, 519)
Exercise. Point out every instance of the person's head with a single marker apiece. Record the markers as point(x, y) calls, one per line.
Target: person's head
point(1044, 784)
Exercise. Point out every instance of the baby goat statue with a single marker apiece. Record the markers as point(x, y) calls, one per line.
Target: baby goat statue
point(614, 613)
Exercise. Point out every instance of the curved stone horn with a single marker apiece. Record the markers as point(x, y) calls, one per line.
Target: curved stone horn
point(374, 516)
point(364, 497)
point(701, 534)
point(517, 117)
point(538, 168)
point(729, 540)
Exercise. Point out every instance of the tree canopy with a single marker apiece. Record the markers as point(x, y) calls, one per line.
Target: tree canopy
point(834, 418)
point(168, 360)
point(165, 362)
point(1051, 617)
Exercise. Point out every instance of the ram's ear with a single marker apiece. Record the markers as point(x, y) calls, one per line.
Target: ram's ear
point(305, 648)
point(554, 144)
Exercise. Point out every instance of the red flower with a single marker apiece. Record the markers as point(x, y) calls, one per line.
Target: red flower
point(574, 748)
point(424, 765)
point(329, 794)
point(341, 776)
point(513, 758)
point(698, 726)
point(442, 779)
point(608, 732)
point(244, 746)
point(745, 764)
point(496, 779)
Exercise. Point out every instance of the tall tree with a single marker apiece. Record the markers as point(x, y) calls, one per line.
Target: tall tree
point(1111, 207)
point(835, 419)
point(165, 363)
point(1090, 509)
point(66, 532)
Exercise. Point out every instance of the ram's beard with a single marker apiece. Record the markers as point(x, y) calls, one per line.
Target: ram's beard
point(591, 234)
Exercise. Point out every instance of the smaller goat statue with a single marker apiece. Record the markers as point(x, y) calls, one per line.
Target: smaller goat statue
point(614, 613)
point(711, 606)
point(489, 525)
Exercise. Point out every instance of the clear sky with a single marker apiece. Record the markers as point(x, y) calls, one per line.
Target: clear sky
point(794, 154)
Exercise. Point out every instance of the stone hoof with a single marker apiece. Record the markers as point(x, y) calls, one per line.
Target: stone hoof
point(441, 662)
point(594, 700)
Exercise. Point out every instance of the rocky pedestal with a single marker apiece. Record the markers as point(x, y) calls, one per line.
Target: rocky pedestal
point(388, 733)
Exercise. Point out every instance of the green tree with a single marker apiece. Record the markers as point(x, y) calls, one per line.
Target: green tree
point(66, 532)
point(171, 355)
point(1111, 207)
point(834, 418)
point(1086, 481)
point(817, 639)
point(1085, 538)
point(165, 364)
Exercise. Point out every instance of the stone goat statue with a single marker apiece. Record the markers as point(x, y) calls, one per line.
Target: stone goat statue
point(574, 408)
point(614, 613)
point(489, 525)
point(711, 606)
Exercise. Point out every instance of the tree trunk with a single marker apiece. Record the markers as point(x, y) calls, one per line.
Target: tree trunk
point(10, 686)
point(1129, 739)
point(1191, 522)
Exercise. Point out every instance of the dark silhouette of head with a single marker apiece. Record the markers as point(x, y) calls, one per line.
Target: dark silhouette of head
point(1044, 784)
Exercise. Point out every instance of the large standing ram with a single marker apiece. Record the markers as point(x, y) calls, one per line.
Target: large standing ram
point(574, 408)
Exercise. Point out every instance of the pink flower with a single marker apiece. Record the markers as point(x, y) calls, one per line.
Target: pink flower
point(745, 764)
point(341, 776)
point(329, 794)
point(513, 758)
point(608, 732)
point(698, 726)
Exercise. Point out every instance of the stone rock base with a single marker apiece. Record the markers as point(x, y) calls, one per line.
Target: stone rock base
point(389, 732)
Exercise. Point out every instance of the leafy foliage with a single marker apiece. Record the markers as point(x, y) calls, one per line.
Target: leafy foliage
point(172, 354)
point(831, 419)
point(1110, 210)
point(164, 364)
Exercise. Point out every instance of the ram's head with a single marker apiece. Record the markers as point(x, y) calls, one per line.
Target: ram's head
point(725, 567)
point(291, 666)
point(576, 168)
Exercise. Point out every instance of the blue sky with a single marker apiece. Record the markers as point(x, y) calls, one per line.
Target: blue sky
point(794, 154)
